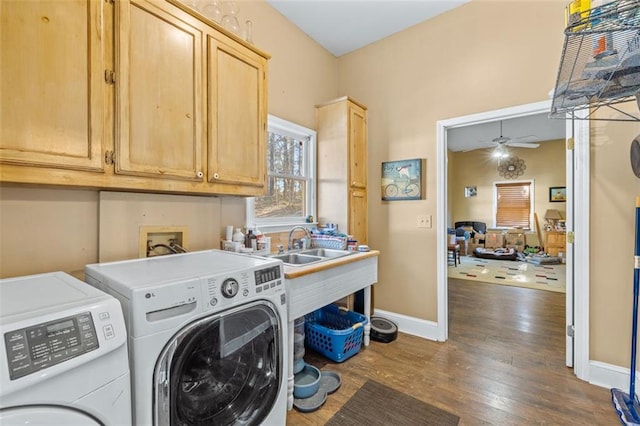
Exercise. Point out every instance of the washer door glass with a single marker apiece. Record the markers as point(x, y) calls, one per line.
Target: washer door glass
point(223, 369)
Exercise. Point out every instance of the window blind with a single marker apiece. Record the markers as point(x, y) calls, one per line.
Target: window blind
point(514, 205)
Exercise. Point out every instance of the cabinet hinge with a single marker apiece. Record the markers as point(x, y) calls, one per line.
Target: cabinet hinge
point(110, 76)
point(110, 1)
point(571, 330)
point(570, 142)
point(570, 237)
point(109, 157)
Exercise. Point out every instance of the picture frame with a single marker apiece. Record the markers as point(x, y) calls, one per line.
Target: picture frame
point(402, 180)
point(557, 194)
point(470, 191)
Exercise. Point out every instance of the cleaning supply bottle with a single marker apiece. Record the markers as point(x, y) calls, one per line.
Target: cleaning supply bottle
point(247, 238)
point(238, 236)
point(252, 241)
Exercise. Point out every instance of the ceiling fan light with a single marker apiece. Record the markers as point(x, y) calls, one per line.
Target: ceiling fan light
point(500, 152)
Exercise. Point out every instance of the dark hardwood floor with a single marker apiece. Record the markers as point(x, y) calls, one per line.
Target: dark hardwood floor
point(504, 364)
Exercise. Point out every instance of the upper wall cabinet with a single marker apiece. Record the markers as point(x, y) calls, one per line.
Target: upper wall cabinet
point(167, 101)
point(238, 111)
point(52, 91)
point(159, 93)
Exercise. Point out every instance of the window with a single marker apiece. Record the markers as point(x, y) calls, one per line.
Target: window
point(290, 197)
point(513, 201)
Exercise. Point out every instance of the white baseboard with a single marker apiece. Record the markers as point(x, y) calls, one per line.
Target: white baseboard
point(609, 376)
point(411, 325)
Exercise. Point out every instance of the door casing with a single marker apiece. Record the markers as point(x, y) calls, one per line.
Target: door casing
point(577, 183)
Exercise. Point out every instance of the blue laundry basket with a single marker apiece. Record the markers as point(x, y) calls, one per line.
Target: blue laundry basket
point(334, 332)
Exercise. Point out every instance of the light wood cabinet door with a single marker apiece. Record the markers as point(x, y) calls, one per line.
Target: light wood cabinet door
point(237, 117)
point(159, 103)
point(358, 215)
point(52, 88)
point(357, 146)
point(555, 242)
point(342, 165)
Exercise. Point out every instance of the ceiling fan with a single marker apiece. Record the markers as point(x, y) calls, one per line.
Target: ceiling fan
point(501, 143)
point(521, 142)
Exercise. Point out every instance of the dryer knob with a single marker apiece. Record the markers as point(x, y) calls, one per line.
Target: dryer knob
point(229, 288)
point(213, 301)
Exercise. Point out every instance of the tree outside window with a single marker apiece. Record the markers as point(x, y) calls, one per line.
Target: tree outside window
point(290, 197)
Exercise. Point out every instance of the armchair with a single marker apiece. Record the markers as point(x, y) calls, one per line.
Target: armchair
point(480, 227)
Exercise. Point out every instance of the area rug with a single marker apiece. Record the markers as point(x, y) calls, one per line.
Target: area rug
point(511, 272)
point(375, 404)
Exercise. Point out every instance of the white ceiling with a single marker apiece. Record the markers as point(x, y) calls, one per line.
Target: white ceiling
point(342, 26)
point(481, 135)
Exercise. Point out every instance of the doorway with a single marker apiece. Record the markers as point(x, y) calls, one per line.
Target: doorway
point(577, 221)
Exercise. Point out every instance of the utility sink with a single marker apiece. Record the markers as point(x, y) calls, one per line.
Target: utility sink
point(297, 258)
point(305, 257)
point(327, 253)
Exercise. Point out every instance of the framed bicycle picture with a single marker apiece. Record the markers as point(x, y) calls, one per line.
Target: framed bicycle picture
point(402, 180)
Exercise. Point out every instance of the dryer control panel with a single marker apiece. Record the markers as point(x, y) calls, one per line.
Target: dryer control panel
point(44, 345)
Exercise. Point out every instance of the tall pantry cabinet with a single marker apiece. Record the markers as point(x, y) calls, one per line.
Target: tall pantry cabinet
point(132, 94)
point(342, 166)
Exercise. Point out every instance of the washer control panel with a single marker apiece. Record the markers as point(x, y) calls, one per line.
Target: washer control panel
point(229, 288)
point(225, 290)
point(268, 278)
point(44, 345)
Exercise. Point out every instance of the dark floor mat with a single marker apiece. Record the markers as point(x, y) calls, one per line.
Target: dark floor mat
point(376, 404)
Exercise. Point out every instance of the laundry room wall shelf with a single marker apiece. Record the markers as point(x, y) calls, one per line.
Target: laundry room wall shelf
point(600, 63)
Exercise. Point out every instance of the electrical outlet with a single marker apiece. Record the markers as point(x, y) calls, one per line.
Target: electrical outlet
point(424, 221)
point(162, 240)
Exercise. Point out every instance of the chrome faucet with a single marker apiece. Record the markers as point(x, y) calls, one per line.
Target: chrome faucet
point(290, 245)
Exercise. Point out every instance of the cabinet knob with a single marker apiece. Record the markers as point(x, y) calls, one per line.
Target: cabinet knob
point(199, 174)
point(216, 176)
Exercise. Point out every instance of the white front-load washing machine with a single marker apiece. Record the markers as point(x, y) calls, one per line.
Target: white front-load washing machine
point(207, 336)
point(63, 359)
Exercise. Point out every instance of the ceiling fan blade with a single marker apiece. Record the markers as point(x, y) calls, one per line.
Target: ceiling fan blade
point(523, 145)
point(528, 138)
point(476, 148)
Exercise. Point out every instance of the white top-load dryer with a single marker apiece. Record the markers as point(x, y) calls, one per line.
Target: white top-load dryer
point(63, 356)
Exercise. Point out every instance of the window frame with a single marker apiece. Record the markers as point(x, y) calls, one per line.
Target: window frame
point(280, 224)
point(532, 191)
